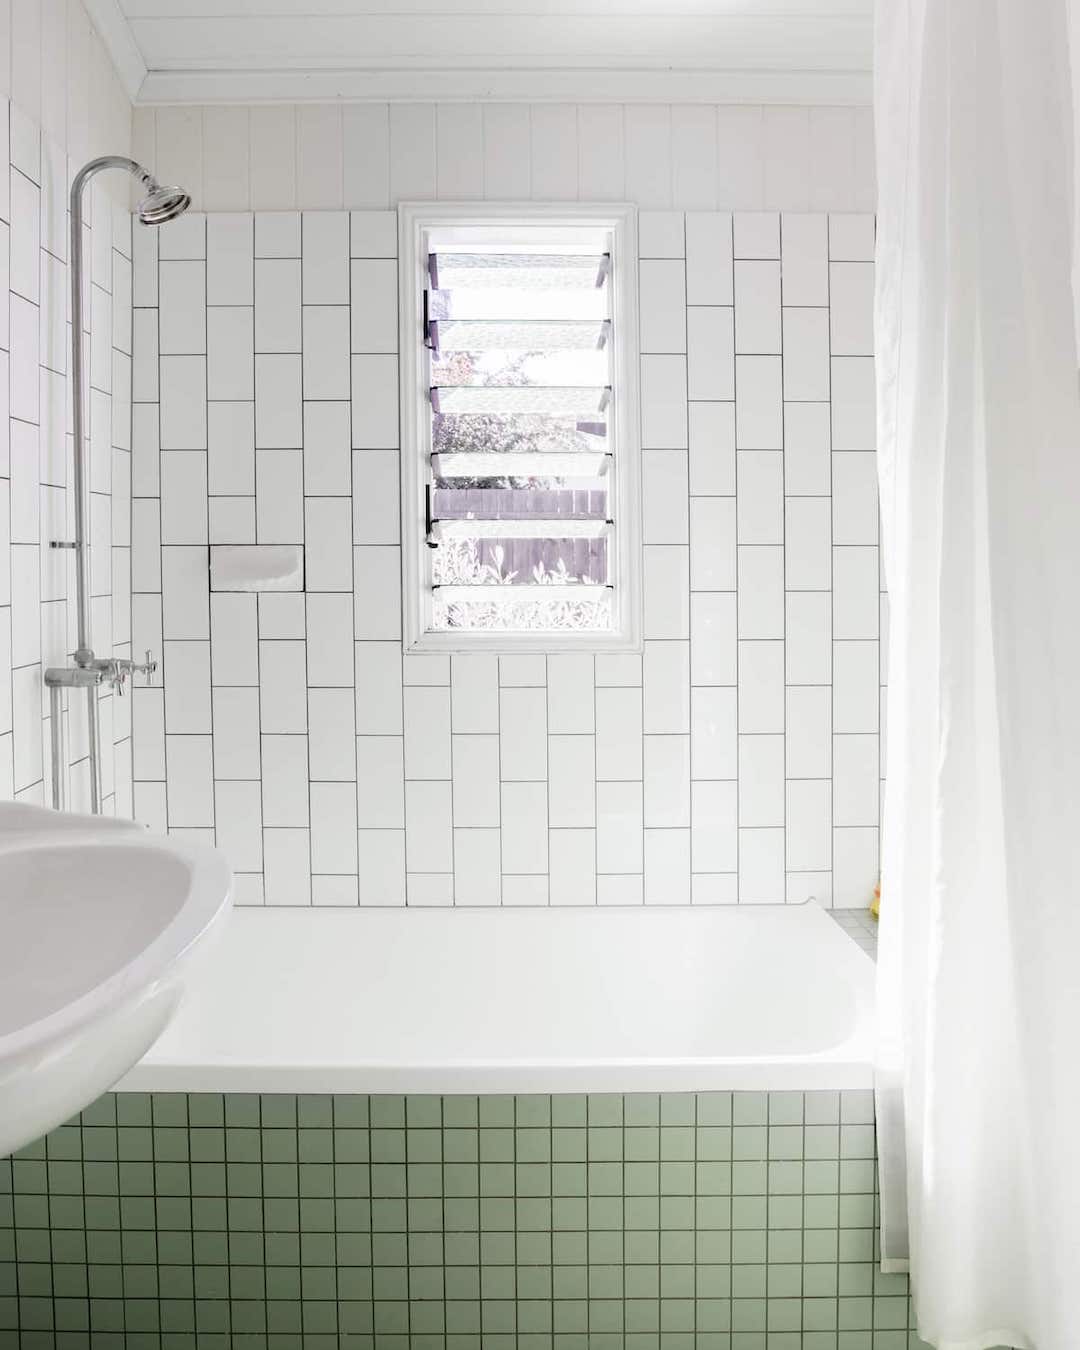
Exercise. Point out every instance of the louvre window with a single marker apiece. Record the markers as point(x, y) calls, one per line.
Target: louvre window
point(522, 474)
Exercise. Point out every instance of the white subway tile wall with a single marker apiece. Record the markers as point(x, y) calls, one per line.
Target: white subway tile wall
point(67, 105)
point(736, 760)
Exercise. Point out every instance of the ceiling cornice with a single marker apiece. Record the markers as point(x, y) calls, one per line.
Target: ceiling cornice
point(113, 29)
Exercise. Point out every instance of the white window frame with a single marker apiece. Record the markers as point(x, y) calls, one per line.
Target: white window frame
point(415, 221)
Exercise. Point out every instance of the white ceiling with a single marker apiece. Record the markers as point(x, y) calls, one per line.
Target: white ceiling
point(670, 50)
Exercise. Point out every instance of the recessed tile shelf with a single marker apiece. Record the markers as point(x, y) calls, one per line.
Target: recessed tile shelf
point(256, 567)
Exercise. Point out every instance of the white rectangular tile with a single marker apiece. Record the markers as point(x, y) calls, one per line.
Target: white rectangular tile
point(279, 497)
point(374, 325)
point(761, 592)
point(714, 730)
point(327, 453)
point(325, 257)
point(376, 513)
point(572, 781)
point(523, 739)
point(331, 742)
point(427, 732)
point(328, 547)
point(804, 251)
point(230, 248)
point(570, 692)
point(474, 682)
point(713, 650)
point(712, 543)
point(283, 687)
point(854, 407)
point(667, 781)
point(710, 347)
point(761, 867)
point(330, 650)
point(662, 304)
point(855, 780)
point(230, 370)
point(855, 592)
point(333, 827)
point(231, 448)
point(851, 308)
point(277, 305)
point(476, 779)
point(855, 687)
point(808, 555)
point(618, 733)
point(236, 733)
point(757, 234)
point(808, 648)
point(809, 825)
point(477, 867)
point(183, 497)
point(708, 258)
point(326, 352)
point(666, 591)
point(855, 497)
point(759, 417)
point(187, 688)
point(757, 307)
point(664, 497)
point(279, 414)
point(855, 866)
point(712, 449)
point(667, 867)
point(377, 579)
point(806, 449)
point(380, 782)
point(232, 520)
point(287, 866)
point(806, 354)
point(761, 686)
point(182, 308)
point(191, 781)
point(661, 234)
point(572, 867)
point(234, 636)
point(524, 827)
point(619, 827)
point(238, 816)
point(761, 780)
point(183, 402)
point(663, 402)
point(375, 402)
point(760, 513)
point(714, 833)
point(285, 780)
point(666, 686)
point(185, 584)
point(378, 688)
point(382, 867)
point(809, 731)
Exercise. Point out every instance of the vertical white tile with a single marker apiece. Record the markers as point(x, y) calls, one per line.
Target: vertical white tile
point(523, 742)
point(183, 402)
point(333, 827)
point(664, 491)
point(759, 417)
point(761, 592)
point(238, 817)
point(855, 866)
point(713, 647)
point(618, 734)
point(662, 304)
point(757, 307)
point(230, 370)
point(374, 305)
point(331, 744)
point(712, 543)
point(855, 780)
point(327, 454)
point(427, 732)
point(285, 781)
point(663, 402)
point(474, 680)
point(619, 832)
point(375, 402)
point(855, 592)
point(714, 836)
point(524, 827)
point(183, 497)
point(571, 781)
point(287, 866)
point(325, 257)
point(712, 449)
point(808, 648)
point(279, 496)
point(377, 607)
point(477, 867)
point(572, 867)
point(761, 866)
point(236, 733)
point(380, 782)
point(667, 591)
point(187, 687)
point(476, 780)
point(378, 688)
point(283, 687)
point(328, 548)
point(808, 553)
point(191, 781)
point(666, 687)
point(855, 687)
point(234, 639)
point(714, 748)
point(809, 731)
point(761, 687)
point(709, 273)
point(667, 867)
point(570, 693)
point(854, 406)
point(855, 498)
point(375, 505)
point(667, 781)
point(710, 345)
point(182, 308)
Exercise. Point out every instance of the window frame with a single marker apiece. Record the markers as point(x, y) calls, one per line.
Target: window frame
point(415, 221)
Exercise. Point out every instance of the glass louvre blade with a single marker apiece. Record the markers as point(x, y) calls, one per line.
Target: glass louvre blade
point(541, 609)
point(496, 593)
point(519, 271)
point(520, 560)
point(489, 306)
point(517, 432)
point(536, 528)
point(534, 369)
point(544, 464)
point(535, 501)
point(476, 335)
point(584, 402)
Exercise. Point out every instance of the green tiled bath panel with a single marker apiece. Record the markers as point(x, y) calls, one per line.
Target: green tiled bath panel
point(723, 1221)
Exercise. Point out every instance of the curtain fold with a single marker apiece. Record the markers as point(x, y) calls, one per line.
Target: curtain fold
point(979, 463)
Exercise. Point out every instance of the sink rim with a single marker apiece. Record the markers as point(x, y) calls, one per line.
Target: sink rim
point(208, 897)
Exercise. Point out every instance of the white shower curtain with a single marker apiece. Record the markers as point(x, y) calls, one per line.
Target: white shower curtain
point(979, 450)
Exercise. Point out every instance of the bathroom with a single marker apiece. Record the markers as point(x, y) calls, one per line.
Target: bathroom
point(461, 927)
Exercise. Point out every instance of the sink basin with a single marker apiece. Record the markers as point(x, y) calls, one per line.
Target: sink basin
point(99, 923)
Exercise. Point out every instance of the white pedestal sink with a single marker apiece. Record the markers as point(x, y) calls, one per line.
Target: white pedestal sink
point(98, 924)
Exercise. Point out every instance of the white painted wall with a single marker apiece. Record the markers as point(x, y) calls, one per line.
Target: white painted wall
point(371, 155)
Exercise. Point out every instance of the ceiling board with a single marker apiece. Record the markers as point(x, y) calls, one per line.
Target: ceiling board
point(667, 50)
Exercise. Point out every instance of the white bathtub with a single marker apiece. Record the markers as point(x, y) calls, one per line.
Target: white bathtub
point(519, 1001)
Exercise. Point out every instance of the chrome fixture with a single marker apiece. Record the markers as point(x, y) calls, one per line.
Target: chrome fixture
point(158, 205)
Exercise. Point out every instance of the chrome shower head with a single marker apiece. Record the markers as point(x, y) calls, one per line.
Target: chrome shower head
point(162, 204)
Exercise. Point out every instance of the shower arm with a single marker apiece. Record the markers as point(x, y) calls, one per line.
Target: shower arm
point(84, 653)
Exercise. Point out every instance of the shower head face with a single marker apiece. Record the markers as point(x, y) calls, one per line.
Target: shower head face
point(162, 204)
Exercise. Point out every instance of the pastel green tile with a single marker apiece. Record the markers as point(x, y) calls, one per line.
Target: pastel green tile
point(713, 1108)
point(533, 1144)
point(784, 1281)
point(496, 1112)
